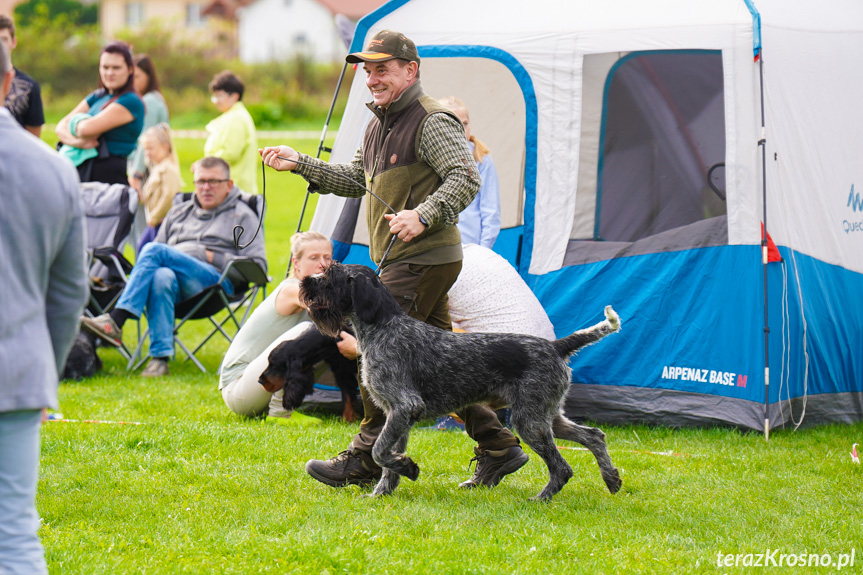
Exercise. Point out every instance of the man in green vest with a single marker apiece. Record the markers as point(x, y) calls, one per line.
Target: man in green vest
point(415, 157)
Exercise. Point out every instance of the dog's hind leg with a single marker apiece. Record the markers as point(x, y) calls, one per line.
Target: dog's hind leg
point(389, 452)
point(593, 439)
point(537, 434)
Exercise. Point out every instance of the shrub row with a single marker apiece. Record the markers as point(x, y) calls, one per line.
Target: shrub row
point(63, 57)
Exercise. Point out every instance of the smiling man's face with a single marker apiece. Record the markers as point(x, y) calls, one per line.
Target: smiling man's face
point(387, 80)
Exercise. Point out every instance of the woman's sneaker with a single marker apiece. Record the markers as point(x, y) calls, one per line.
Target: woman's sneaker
point(293, 419)
point(276, 407)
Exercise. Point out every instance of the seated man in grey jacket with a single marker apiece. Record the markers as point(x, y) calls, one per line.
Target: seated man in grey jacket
point(192, 248)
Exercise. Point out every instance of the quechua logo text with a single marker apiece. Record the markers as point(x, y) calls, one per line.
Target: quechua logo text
point(856, 204)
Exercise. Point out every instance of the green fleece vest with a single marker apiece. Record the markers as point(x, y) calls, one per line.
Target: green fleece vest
point(403, 180)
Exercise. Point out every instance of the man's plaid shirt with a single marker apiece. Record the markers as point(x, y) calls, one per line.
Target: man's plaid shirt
point(442, 145)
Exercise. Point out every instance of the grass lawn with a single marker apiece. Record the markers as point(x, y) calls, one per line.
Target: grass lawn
point(197, 489)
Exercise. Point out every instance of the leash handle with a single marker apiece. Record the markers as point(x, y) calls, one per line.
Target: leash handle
point(386, 253)
point(238, 229)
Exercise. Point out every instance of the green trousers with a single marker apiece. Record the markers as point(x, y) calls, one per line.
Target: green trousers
point(421, 291)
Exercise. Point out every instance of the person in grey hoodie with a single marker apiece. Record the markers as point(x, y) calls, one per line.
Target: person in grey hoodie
point(191, 250)
point(43, 279)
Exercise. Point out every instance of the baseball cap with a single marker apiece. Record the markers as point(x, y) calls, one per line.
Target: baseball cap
point(386, 45)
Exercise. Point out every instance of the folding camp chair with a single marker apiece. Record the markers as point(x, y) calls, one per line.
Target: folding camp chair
point(213, 299)
point(109, 210)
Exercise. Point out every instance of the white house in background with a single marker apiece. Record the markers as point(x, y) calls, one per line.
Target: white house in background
point(272, 30)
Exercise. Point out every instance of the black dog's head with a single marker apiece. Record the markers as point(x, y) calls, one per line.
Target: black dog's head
point(273, 378)
point(285, 369)
point(343, 291)
point(290, 364)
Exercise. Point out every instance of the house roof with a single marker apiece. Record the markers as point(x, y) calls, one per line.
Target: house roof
point(353, 9)
point(226, 9)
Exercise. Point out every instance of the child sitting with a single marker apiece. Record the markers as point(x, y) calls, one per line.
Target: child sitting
point(163, 181)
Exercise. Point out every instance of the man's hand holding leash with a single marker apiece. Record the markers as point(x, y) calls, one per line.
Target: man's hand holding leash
point(280, 158)
point(406, 224)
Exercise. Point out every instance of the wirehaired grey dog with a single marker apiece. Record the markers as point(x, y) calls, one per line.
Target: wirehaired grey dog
point(415, 371)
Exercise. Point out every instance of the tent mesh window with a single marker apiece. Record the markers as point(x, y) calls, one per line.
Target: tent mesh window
point(663, 130)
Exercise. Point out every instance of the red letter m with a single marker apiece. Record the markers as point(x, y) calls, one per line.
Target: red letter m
point(741, 381)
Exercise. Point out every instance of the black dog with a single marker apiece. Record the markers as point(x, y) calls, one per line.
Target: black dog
point(82, 361)
point(291, 365)
point(415, 371)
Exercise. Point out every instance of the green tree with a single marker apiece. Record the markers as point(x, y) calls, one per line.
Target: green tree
point(61, 56)
point(75, 12)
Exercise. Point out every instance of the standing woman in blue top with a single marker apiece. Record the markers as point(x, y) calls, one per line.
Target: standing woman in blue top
point(156, 112)
point(116, 117)
point(479, 223)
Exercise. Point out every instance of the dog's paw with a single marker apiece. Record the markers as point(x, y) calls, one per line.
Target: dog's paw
point(612, 317)
point(374, 494)
point(383, 488)
point(413, 471)
point(542, 497)
point(408, 468)
point(613, 481)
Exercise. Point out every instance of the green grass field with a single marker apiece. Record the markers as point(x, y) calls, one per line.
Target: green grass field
point(197, 489)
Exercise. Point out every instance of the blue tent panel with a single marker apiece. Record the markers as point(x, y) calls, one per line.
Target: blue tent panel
point(691, 347)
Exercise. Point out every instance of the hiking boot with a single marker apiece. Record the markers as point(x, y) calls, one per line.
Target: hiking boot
point(104, 328)
point(491, 466)
point(158, 368)
point(347, 468)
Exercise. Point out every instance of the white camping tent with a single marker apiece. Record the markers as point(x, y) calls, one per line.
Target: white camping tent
point(638, 145)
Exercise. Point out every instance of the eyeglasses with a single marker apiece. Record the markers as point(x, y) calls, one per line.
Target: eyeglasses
point(211, 183)
point(218, 95)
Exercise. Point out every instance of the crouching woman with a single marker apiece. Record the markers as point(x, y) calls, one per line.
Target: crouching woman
point(280, 317)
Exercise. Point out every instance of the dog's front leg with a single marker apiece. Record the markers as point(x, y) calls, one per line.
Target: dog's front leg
point(389, 451)
point(387, 484)
point(390, 478)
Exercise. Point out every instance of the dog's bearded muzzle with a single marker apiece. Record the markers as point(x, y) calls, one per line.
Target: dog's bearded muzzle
point(328, 321)
point(316, 295)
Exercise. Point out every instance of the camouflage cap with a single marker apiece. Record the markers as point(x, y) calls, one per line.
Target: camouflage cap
point(386, 45)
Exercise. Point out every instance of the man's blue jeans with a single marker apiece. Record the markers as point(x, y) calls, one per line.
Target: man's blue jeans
point(162, 277)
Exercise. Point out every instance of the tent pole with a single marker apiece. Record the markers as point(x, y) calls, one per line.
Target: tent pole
point(321, 148)
point(763, 144)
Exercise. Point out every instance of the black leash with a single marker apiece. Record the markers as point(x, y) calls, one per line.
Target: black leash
point(339, 174)
point(238, 229)
point(359, 185)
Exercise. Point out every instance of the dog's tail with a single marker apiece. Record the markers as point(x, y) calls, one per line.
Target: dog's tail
point(572, 343)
